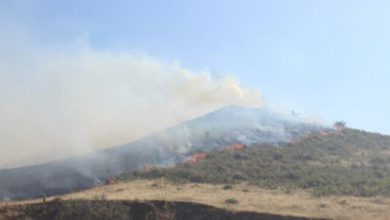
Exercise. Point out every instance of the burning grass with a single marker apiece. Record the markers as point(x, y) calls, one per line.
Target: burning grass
point(349, 162)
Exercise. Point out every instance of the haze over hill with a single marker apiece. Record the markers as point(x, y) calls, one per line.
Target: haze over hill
point(256, 106)
point(213, 131)
point(66, 102)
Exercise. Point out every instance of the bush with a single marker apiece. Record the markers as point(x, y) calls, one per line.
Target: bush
point(231, 201)
point(227, 187)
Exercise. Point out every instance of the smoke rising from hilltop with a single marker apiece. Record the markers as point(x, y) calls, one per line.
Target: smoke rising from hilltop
point(55, 104)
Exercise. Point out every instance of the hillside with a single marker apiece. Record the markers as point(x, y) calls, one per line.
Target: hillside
point(126, 210)
point(347, 162)
point(213, 131)
point(243, 197)
point(331, 174)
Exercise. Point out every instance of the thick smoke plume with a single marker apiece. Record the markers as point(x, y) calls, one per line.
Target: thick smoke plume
point(56, 104)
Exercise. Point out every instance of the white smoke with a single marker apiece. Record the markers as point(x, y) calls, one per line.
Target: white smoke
point(57, 103)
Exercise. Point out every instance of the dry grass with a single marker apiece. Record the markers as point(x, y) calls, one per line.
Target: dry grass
point(251, 198)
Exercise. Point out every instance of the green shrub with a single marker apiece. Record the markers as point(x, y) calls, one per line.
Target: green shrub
point(227, 187)
point(231, 201)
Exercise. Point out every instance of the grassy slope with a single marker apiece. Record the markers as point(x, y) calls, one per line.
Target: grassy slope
point(346, 163)
point(350, 162)
point(249, 197)
point(129, 210)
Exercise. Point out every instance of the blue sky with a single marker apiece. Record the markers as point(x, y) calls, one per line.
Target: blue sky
point(328, 58)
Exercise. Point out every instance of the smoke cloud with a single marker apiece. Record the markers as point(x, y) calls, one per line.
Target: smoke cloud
point(56, 102)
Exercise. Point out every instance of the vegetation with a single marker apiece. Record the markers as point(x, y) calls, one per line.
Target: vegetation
point(348, 162)
point(62, 210)
point(231, 201)
point(117, 210)
point(227, 187)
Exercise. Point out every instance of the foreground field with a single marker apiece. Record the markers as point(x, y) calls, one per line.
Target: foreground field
point(130, 210)
point(241, 197)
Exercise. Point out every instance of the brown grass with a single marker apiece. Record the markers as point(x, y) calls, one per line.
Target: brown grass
point(250, 198)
